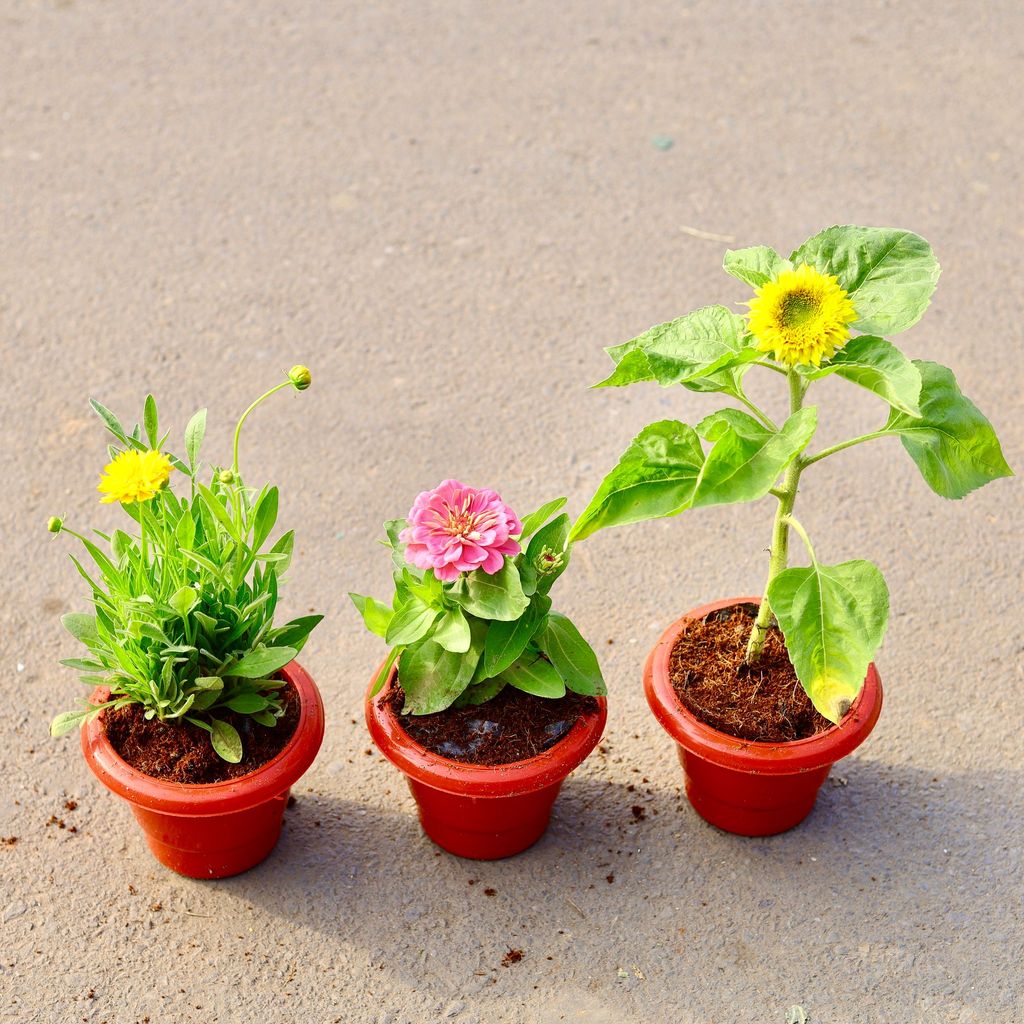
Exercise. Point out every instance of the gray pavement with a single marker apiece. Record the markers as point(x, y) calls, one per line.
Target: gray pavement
point(446, 209)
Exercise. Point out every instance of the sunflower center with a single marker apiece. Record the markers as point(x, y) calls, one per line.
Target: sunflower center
point(798, 308)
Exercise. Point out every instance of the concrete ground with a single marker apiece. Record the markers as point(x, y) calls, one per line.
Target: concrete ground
point(446, 210)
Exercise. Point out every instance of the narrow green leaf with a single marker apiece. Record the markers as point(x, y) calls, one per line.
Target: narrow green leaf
point(195, 431)
point(225, 741)
point(498, 596)
point(572, 656)
point(655, 477)
point(152, 423)
point(534, 675)
point(112, 423)
point(263, 662)
point(66, 721)
point(877, 365)
point(889, 273)
point(265, 518)
point(247, 703)
point(952, 443)
point(756, 265)
point(296, 633)
point(833, 618)
point(535, 520)
point(81, 626)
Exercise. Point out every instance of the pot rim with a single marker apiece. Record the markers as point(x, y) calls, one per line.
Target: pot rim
point(512, 779)
point(210, 798)
point(752, 755)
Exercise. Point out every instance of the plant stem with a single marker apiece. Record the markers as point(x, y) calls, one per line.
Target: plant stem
point(798, 526)
point(758, 412)
point(245, 415)
point(826, 452)
point(779, 552)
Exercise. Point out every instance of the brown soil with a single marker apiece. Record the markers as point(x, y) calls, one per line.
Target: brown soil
point(180, 752)
point(512, 726)
point(763, 702)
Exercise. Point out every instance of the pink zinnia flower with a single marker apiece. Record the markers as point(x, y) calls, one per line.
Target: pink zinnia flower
point(455, 528)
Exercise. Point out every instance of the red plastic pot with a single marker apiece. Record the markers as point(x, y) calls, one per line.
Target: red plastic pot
point(752, 789)
point(485, 813)
point(217, 829)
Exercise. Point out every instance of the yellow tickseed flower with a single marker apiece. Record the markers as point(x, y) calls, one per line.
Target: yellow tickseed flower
point(802, 316)
point(134, 476)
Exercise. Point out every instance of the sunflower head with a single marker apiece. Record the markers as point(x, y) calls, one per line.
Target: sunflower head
point(802, 316)
point(134, 476)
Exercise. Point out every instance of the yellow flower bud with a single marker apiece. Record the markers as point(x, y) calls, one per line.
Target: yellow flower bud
point(226, 476)
point(55, 524)
point(300, 377)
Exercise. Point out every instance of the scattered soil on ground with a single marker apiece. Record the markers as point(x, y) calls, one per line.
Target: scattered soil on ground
point(512, 726)
point(513, 956)
point(181, 752)
point(763, 702)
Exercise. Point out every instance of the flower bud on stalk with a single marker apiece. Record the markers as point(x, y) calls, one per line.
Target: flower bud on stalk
point(226, 476)
point(55, 524)
point(548, 561)
point(300, 377)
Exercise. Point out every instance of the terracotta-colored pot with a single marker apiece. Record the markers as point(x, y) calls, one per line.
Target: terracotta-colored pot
point(752, 789)
point(485, 813)
point(212, 830)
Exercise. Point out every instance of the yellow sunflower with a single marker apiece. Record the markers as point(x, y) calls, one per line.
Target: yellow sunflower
point(802, 316)
point(134, 476)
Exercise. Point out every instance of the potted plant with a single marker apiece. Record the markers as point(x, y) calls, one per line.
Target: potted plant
point(199, 716)
point(487, 699)
point(755, 743)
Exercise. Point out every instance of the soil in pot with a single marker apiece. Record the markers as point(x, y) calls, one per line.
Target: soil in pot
point(763, 702)
point(181, 752)
point(513, 726)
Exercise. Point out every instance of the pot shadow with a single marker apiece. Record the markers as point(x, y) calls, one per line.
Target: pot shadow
point(892, 857)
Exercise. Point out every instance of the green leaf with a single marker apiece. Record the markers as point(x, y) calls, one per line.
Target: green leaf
point(215, 505)
point(655, 477)
point(411, 622)
point(151, 421)
point(554, 536)
point(452, 631)
point(112, 423)
point(755, 266)
point(572, 656)
point(247, 703)
point(478, 693)
point(889, 273)
point(195, 431)
point(265, 517)
point(296, 633)
point(66, 721)
point(225, 741)
point(692, 346)
point(375, 615)
point(953, 444)
point(631, 367)
point(506, 641)
point(184, 600)
point(535, 675)
point(185, 530)
point(833, 618)
point(498, 596)
point(81, 626)
point(746, 457)
point(535, 520)
point(432, 677)
point(877, 365)
point(262, 662)
point(266, 718)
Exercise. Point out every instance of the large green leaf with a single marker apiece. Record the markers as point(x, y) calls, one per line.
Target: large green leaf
point(572, 656)
point(498, 596)
point(506, 641)
point(889, 273)
point(755, 266)
point(432, 677)
point(533, 674)
point(411, 622)
point(833, 618)
point(952, 443)
point(877, 365)
point(655, 477)
point(690, 347)
point(746, 458)
point(262, 662)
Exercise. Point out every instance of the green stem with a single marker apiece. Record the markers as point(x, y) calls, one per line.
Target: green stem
point(758, 412)
point(798, 526)
point(826, 452)
point(779, 552)
point(245, 416)
point(771, 366)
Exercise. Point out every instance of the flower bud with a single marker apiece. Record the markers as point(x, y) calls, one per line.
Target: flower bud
point(300, 377)
point(226, 476)
point(548, 561)
point(55, 524)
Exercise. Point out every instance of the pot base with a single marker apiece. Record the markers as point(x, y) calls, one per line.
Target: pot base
point(484, 828)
